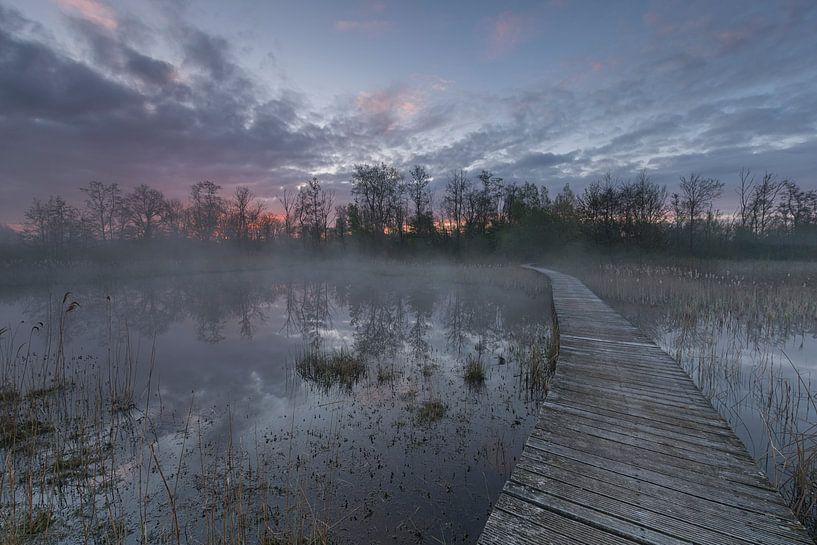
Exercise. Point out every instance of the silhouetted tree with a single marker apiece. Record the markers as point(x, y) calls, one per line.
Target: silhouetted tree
point(422, 222)
point(697, 194)
point(376, 190)
point(314, 208)
point(103, 204)
point(206, 210)
point(456, 189)
point(54, 224)
point(143, 210)
point(242, 213)
point(289, 203)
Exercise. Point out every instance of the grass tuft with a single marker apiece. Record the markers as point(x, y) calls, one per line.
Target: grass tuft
point(474, 371)
point(341, 367)
point(431, 411)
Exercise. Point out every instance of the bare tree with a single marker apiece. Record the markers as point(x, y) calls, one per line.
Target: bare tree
point(54, 224)
point(174, 218)
point(342, 226)
point(269, 227)
point(483, 204)
point(143, 210)
point(646, 202)
point(797, 208)
point(763, 203)
point(289, 203)
point(242, 214)
point(456, 189)
point(206, 209)
point(314, 208)
point(422, 222)
point(697, 194)
point(377, 190)
point(600, 206)
point(565, 205)
point(103, 203)
point(745, 189)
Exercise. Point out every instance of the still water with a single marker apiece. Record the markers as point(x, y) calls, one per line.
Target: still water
point(218, 424)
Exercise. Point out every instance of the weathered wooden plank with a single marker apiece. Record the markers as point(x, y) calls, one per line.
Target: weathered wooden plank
point(663, 500)
point(628, 450)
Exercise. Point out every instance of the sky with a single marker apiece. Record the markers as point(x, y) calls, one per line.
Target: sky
point(268, 94)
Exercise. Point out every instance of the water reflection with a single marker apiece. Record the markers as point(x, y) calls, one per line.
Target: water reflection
point(361, 458)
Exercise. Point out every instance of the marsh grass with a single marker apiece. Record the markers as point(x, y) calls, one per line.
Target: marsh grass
point(385, 374)
point(474, 373)
point(537, 355)
point(92, 455)
point(726, 324)
point(340, 367)
point(431, 411)
point(73, 436)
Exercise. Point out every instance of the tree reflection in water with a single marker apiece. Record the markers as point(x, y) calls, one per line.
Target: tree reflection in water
point(232, 339)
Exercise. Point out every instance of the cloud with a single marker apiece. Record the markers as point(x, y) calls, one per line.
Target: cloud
point(506, 32)
point(101, 121)
point(398, 103)
point(372, 28)
point(188, 108)
point(91, 10)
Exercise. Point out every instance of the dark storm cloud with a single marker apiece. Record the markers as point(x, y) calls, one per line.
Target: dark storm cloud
point(127, 118)
point(38, 83)
point(536, 160)
point(709, 89)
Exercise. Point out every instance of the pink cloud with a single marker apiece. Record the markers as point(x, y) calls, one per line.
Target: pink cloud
point(396, 104)
point(731, 38)
point(368, 27)
point(736, 37)
point(506, 32)
point(91, 10)
point(377, 7)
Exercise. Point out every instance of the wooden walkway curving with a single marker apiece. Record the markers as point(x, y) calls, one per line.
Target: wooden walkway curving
point(627, 450)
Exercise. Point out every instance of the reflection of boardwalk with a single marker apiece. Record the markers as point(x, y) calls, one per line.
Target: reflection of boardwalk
point(627, 450)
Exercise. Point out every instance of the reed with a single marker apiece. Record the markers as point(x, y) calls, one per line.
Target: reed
point(727, 323)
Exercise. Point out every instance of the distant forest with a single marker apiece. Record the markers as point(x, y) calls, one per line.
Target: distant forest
point(393, 212)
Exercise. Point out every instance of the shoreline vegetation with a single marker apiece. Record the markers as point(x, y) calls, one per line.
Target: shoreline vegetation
point(420, 214)
point(94, 449)
point(723, 292)
point(735, 327)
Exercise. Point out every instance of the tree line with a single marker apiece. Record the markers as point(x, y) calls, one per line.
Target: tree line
point(390, 209)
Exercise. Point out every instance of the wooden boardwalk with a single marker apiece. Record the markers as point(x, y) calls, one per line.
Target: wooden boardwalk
point(627, 450)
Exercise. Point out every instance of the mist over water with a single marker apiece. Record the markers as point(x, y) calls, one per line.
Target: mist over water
point(361, 456)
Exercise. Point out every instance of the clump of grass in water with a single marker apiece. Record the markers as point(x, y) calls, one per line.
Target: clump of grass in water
point(384, 374)
point(474, 371)
point(33, 527)
point(341, 367)
point(537, 359)
point(16, 431)
point(8, 394)
point(431, 411)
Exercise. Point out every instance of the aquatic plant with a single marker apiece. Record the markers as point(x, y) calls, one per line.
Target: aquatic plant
point(431, 411)
point(340, 367)
point(474, 373)
point(726, 323)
